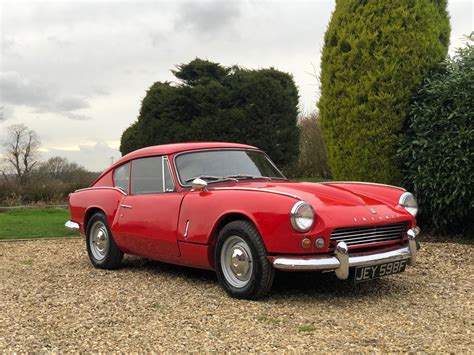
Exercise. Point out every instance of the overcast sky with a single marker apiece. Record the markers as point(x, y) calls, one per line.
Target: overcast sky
point(76, 72)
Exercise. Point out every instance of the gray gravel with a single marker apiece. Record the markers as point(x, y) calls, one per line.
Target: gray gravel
point(52, 299)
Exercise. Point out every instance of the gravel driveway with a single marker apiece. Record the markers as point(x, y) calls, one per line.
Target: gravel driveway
point(53, 300)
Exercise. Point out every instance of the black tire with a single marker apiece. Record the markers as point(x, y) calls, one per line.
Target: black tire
point(110, 257)
point(262, 272)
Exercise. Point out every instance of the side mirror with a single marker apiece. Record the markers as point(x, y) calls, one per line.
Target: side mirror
point(199, 185)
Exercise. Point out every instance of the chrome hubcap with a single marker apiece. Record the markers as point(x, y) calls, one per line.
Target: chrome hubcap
point(99, 240)
point(239, 261)
point(236, 261)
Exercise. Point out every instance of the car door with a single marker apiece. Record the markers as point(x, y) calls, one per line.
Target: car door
point(148, 215)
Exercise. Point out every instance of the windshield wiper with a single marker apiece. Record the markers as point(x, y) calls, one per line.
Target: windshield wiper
point(211, 177)
point(246, 176)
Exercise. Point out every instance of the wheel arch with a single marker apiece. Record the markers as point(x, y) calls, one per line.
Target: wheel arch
point(222, 221)
point(89, 213)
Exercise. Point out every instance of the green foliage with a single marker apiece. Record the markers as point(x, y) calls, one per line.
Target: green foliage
point(375, 54)
point(214, 103)
point(200, 72)
point(438, 149)
point(129, 138)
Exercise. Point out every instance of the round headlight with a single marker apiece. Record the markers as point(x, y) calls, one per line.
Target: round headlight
point(302, 216)
point(408, 201)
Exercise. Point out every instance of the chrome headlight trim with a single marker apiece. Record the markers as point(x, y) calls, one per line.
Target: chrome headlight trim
point(299, 223)
point(408, 201)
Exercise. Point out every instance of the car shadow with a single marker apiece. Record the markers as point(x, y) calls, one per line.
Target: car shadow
point(138, 264)
point(286, 286)
point(324, 285)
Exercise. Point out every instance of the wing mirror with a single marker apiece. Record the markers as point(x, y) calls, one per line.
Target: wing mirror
point(199, 185)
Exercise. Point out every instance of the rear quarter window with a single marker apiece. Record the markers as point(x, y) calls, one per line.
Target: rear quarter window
point(122, 176)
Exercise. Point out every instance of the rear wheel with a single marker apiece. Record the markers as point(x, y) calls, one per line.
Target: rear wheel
point(101, 248)
point(241, 261)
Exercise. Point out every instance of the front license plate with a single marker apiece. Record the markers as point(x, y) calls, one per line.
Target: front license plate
point(364, 273)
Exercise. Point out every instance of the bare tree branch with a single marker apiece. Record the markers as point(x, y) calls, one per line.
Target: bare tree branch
point(21, 150)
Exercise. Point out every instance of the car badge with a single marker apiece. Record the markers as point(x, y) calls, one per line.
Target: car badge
point(372, 210)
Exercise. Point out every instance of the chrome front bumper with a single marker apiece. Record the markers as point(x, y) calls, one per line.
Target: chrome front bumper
point(341, 261)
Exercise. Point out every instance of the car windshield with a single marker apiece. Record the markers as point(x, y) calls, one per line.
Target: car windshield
point(217, 165)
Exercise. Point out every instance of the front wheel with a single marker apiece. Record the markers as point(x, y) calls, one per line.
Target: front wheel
point(101, 248)
point(241, 261)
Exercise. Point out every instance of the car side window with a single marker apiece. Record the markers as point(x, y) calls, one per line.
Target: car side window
point(121, 177)
point(147, 176)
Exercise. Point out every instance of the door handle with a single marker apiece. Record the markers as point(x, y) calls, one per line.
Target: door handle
point(126, 206)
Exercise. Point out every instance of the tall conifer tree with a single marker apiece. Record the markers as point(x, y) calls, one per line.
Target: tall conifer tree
point(375, 55)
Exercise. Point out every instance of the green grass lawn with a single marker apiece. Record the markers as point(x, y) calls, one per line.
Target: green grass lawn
point(35, 223)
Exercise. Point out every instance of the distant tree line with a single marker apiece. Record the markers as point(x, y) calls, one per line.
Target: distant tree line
point(25, 179)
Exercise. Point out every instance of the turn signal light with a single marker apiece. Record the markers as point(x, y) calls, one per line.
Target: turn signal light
point(306, 243)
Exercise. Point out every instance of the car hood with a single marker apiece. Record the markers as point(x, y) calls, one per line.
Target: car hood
point(344, 203)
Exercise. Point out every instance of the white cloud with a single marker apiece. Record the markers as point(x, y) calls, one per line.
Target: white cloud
point(18, 90)
point(207, 16)
point(15, 89)
point(96, 157)
point(77, 71)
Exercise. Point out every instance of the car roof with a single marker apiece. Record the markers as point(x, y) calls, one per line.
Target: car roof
point(166, 149)
point(181, 147)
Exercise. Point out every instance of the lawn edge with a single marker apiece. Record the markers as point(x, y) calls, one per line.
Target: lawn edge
point(35, 239)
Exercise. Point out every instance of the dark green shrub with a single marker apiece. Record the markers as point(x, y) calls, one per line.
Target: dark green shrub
point(375, 54)
point(438, 148)
point(215, 103)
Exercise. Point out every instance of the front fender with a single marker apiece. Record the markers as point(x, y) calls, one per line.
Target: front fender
point(202, 212)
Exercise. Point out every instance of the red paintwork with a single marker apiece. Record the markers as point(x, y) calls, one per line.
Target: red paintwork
point(155, 227)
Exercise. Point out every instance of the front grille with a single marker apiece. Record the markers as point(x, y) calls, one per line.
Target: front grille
point(363, 236)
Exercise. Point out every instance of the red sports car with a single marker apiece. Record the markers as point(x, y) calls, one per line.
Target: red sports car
point(226, 207)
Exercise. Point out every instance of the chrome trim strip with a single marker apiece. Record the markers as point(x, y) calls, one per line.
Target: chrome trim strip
point(361, 240)
point(361, 233)
point(186, 230)
point(360, 183)
point(369, 243)
point(382, 227)
point(370, 237)
point(72, 225)
point(163, 173)
point(356, 237)
point(171, 174)
point(259, 190)
point(102, 188)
